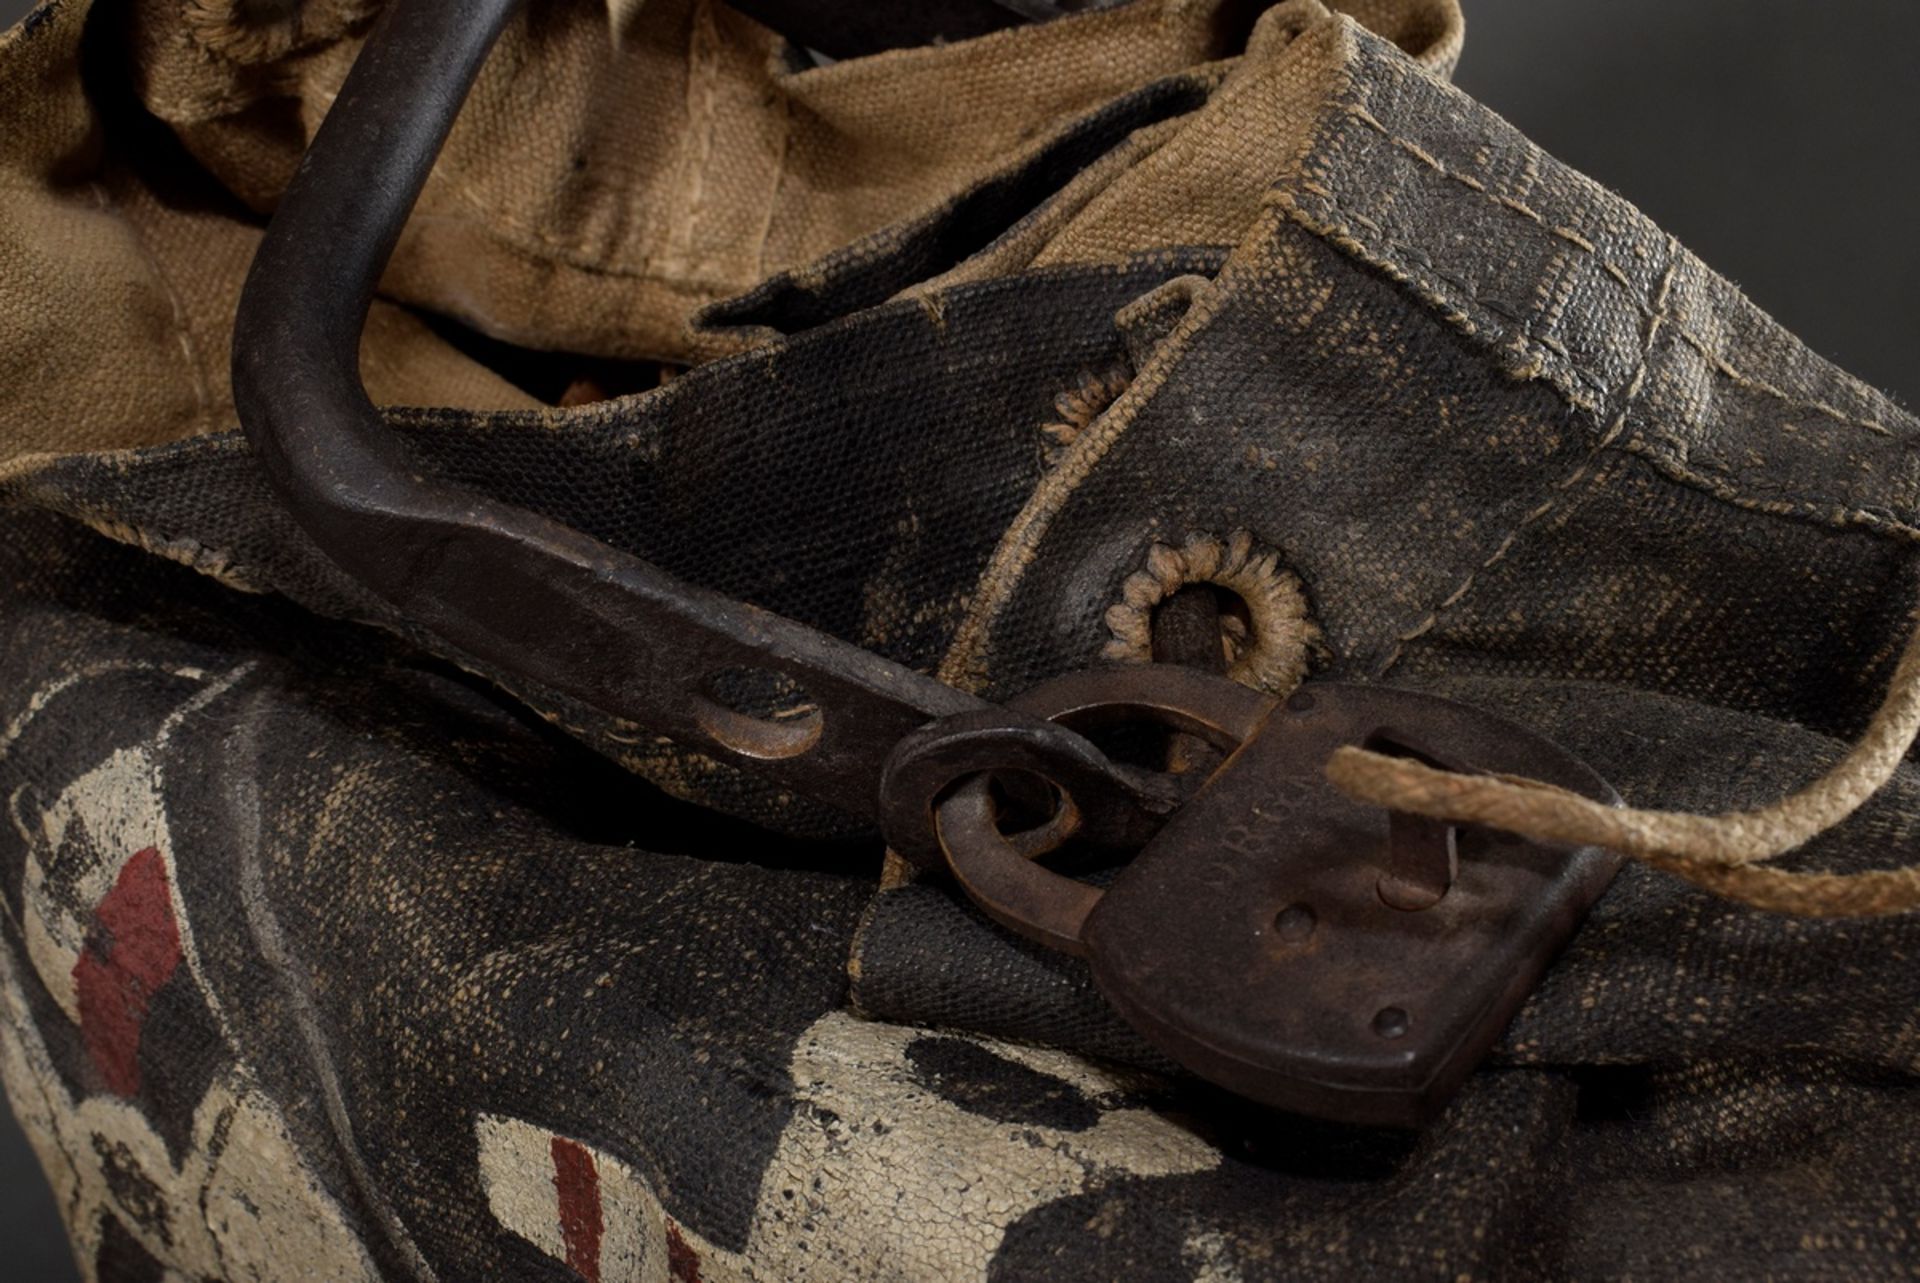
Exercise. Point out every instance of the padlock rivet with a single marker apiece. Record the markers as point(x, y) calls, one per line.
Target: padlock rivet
point(1294, 924)
point(1390, 1022)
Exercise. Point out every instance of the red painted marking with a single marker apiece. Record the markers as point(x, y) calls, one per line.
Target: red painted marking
point(682, 1261)
point(132, 951)
point(577, 1181)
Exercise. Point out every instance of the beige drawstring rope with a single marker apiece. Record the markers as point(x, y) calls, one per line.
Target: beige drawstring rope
point(1722, 853)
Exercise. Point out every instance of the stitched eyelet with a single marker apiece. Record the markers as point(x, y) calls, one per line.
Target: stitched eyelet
point(1268, 649)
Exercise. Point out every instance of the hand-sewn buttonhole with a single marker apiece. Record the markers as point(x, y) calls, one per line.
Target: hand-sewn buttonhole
point(1266, 630)
point(1076, 408)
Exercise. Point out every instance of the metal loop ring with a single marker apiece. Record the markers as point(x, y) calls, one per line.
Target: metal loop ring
point(998, 872)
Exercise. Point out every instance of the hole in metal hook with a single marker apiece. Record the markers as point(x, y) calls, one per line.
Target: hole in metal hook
point(1392, 1022)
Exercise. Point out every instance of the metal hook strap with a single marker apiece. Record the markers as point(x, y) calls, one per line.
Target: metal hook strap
point(502, 586)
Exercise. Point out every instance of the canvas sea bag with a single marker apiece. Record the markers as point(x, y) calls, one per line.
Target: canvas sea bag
point(331, 950)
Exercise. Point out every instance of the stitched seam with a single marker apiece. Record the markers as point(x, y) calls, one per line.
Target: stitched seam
point(1721, 364)
point(1340, 235)
point(1573, 237)
point(703, 77)
point(527, 238)
point(1727, 488)
point(1722, 485)
point(777, 192)
point(202, 395)
point(1561, 488)
point(963, 664)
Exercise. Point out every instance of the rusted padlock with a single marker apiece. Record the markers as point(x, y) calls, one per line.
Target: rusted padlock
point(1279, 939)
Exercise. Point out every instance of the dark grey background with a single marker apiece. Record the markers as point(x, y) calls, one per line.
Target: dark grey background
point(1777, 139)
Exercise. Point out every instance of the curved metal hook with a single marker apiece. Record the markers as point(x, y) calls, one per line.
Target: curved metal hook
point(503, 586)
